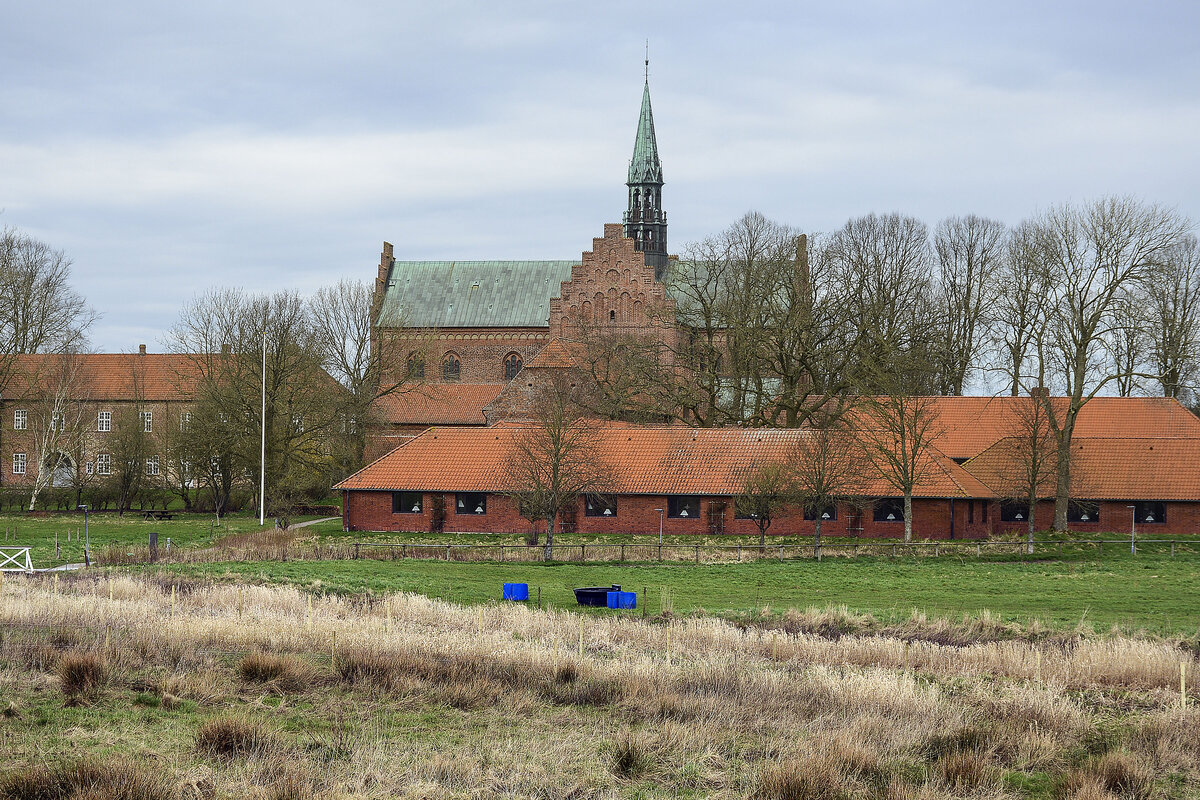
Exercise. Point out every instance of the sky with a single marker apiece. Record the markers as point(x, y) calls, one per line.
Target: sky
point(172, 148)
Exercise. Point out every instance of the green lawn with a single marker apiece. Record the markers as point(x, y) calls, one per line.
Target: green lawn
point(1155, 593)
point(106, 529)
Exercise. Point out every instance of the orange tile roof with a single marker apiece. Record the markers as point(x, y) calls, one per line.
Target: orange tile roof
point(644, 460)
point(557, 354)
point(438, 404)
point(113, 376)
point(969, 425)
point(1109, 468)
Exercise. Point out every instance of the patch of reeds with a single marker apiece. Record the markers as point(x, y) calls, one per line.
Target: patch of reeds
point(288, 673)
point(231, 737)
point(81, 674)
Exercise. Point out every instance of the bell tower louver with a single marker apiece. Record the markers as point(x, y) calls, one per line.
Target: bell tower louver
point(645, 222)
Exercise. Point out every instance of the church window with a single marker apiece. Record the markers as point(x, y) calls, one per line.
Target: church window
point(512, 365)
point(416, 365)
point(451, 367)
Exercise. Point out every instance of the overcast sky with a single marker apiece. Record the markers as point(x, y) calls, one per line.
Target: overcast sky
point(169, 148)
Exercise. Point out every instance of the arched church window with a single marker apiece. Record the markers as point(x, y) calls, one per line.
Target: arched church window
point(512, 365)
point(416, 365)
point(451, 367)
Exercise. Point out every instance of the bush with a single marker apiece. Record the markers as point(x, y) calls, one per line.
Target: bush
point(230, 737)
point(82, 674)
point(114, 779)
point(286, 672)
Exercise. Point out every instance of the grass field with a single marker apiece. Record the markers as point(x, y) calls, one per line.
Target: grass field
point(160, 689)
point(1155, 593)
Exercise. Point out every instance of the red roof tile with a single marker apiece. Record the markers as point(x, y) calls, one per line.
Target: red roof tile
point(557, 354)
point(1109, 468)
point(438, 404)
point(644, 460)
point(969, 425)
point(113, 376)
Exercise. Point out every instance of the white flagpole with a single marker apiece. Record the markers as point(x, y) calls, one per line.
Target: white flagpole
point(262, 462)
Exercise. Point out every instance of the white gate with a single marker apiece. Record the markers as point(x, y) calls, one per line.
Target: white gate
point(15, 559)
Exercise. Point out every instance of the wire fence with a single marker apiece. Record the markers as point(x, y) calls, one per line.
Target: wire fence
point(650, 552)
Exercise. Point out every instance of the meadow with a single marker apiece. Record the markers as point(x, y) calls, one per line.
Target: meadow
point(164, 687)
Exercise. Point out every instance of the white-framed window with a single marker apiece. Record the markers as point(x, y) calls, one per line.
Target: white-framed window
point(20, 419)
point(89, 467)
point(104, 421)
point(57, 421)
point(147, 418)
point(104, 464)
point(152, 465)
point(185, 419)
point(298, 423)
point(19, 461)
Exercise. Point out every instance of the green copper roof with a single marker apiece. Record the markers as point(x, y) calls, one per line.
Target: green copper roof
point(644, 167)
point(468, 294)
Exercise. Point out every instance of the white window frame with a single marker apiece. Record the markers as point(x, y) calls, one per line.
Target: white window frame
point(103, 464)
point(185, 419)
point(103, 421)
point(298, 423)
point(20, 462)
point(20, 419)
point(58, 421)
point(90, 467)
point(147, 418)
point(152, 467)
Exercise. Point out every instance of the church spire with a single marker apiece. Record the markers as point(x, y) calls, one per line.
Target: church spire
point(644, 220)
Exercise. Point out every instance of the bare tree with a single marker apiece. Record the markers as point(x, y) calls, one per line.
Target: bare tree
point(39, 311)
point(1092, 255)
point(1128, 342)
point(898, 430)
point(556, 459)
point(367, 364)
point(59, 383)
point(826, 469)
point(1174, 318)
point(1020, 311)
point(970, 252)
point(884, 263)
point(1026, 460)
point(766, 491)
point(224, 334)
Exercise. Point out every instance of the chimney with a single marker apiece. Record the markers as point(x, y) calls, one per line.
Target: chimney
point(141, 349)
point(1039, 391)
point(225, 349)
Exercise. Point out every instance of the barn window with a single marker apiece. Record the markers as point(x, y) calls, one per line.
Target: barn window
point(889, 509)
point(600, 505)
point(827, 513)
point(683, 506)
point(451, 367)
point(1150, 512)
point(1014, 512)
point(470, 503)
point(1082, 511)
point(512, 365)
point(406, 502)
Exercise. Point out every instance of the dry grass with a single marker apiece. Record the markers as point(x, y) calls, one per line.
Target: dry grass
point(113, 779)
point(411, 697)
point(234, 737)
point(81, 674)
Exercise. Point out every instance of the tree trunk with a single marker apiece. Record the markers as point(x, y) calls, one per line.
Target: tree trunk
point(1062, 484)
point(1030, 522)
point(908, 516)
point(549, 551)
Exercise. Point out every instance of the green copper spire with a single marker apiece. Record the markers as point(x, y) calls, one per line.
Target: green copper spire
point(645, 221)
point(645, 166)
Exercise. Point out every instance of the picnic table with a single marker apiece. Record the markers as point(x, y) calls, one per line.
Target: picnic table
point(157, 514)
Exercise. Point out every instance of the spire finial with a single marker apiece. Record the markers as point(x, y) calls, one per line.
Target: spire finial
point(647, 61)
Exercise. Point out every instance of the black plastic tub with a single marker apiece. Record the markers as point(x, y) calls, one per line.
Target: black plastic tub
point(595, 596)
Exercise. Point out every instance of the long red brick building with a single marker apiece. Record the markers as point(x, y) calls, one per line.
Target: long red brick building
point(1139, 452)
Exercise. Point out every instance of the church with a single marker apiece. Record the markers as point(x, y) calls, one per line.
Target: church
point(472, 332)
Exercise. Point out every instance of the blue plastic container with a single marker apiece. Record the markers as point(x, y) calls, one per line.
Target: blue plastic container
point(622, 599)
point(518, 592)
